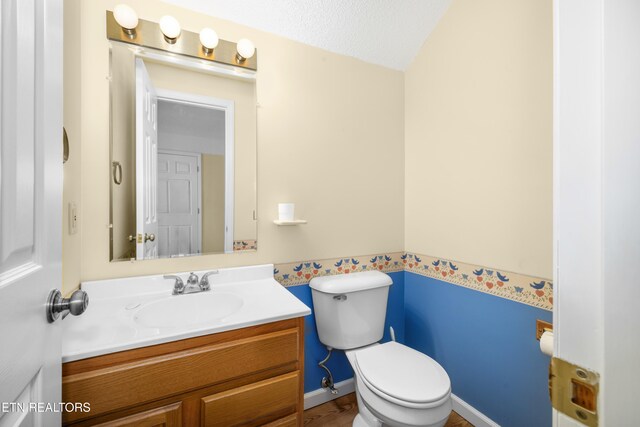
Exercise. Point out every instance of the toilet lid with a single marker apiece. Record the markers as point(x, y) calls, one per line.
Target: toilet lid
point(403, 373)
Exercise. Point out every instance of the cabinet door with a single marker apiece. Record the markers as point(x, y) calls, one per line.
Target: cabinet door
point(254, 404)
point(166, 416)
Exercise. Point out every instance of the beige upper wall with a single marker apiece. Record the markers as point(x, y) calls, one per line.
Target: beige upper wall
point(478, 137)
point(330, 139)
point(471, 119)
point(71, 244)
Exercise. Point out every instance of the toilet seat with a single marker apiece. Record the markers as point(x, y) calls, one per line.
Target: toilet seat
point(402, 375)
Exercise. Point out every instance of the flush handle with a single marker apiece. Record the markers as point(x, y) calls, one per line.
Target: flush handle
point(341, 297)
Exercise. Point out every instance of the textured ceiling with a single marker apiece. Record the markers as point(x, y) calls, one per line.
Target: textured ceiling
point(194, 123)
point(383, 32)
point(190, 119)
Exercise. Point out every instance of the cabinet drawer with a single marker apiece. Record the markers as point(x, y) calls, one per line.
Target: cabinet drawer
point(254, 404)
point(129, 384)
point(167, 416)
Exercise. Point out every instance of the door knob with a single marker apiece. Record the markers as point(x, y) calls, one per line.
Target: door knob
point(149, 237)
point(75, 305)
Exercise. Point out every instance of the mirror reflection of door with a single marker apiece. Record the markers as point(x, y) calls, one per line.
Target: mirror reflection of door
point(179, 205)
point(185, 181)
point(146, 164)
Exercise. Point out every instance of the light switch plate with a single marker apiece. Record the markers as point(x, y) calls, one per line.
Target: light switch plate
point(73, 218)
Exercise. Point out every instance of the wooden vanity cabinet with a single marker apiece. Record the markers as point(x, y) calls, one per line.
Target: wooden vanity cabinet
point(166, 416)
point(247, 377)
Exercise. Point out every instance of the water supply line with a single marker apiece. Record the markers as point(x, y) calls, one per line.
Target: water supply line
point(327, 382)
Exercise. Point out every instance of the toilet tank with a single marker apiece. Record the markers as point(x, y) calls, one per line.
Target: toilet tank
point(350, 308)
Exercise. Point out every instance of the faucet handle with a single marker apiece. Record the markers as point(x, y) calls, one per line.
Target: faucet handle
point(178, 286)
point(204, 282)
point(193, 279)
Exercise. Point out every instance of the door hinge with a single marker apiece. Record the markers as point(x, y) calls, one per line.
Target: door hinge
point(574, 391)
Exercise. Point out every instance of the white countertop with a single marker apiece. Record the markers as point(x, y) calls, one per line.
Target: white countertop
point(109, 325)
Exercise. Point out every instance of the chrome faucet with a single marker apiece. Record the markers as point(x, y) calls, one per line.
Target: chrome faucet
point(193, 284)
point(204, 282)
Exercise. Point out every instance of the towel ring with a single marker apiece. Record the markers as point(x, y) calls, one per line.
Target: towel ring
point(65, 146)
point(117, 173)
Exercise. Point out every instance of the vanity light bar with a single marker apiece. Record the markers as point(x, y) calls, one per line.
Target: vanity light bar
point(148, 34)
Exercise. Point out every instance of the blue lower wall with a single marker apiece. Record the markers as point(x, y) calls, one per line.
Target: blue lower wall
point(487, 346)
point(314, 351)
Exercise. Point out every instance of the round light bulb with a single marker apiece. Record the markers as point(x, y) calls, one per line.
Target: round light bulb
point(209, 39)
point(246, 49)
point(126, 17)
point(170, 27)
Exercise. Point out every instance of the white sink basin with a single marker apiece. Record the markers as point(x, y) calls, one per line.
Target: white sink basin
point(188, 310)
point(135, 312)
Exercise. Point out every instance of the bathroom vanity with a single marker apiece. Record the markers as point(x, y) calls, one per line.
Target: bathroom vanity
point(192, 368)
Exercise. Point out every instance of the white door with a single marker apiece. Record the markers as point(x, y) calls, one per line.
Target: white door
point(597, 199)
point(146, 164)
point(178, 204)
point(30, 206)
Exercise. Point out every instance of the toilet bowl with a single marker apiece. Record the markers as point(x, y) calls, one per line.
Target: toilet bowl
point(399, 386)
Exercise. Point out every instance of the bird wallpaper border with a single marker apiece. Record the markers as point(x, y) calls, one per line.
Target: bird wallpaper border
point(530, 290)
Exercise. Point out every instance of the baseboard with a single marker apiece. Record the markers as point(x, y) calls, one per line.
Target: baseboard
point(322, 395)
point(471, 414)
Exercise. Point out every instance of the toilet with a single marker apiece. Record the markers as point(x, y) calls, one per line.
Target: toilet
point(395, 385)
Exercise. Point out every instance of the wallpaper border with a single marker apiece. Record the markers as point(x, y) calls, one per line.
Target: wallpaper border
point(530, 290)
point(245, 245)
point(299, 273)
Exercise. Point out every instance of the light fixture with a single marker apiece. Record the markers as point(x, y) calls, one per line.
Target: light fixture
point(127, 18)
point(246, 49)
point(170, 27)
point(209, 40)
point(166, 34)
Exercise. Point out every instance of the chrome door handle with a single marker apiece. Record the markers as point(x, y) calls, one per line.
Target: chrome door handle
point(75, 305)
point(149, 237)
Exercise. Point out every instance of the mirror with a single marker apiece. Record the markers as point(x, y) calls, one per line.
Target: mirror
point(183, 156)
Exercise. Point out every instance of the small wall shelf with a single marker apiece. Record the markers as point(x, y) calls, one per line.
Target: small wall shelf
point(294, 222)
